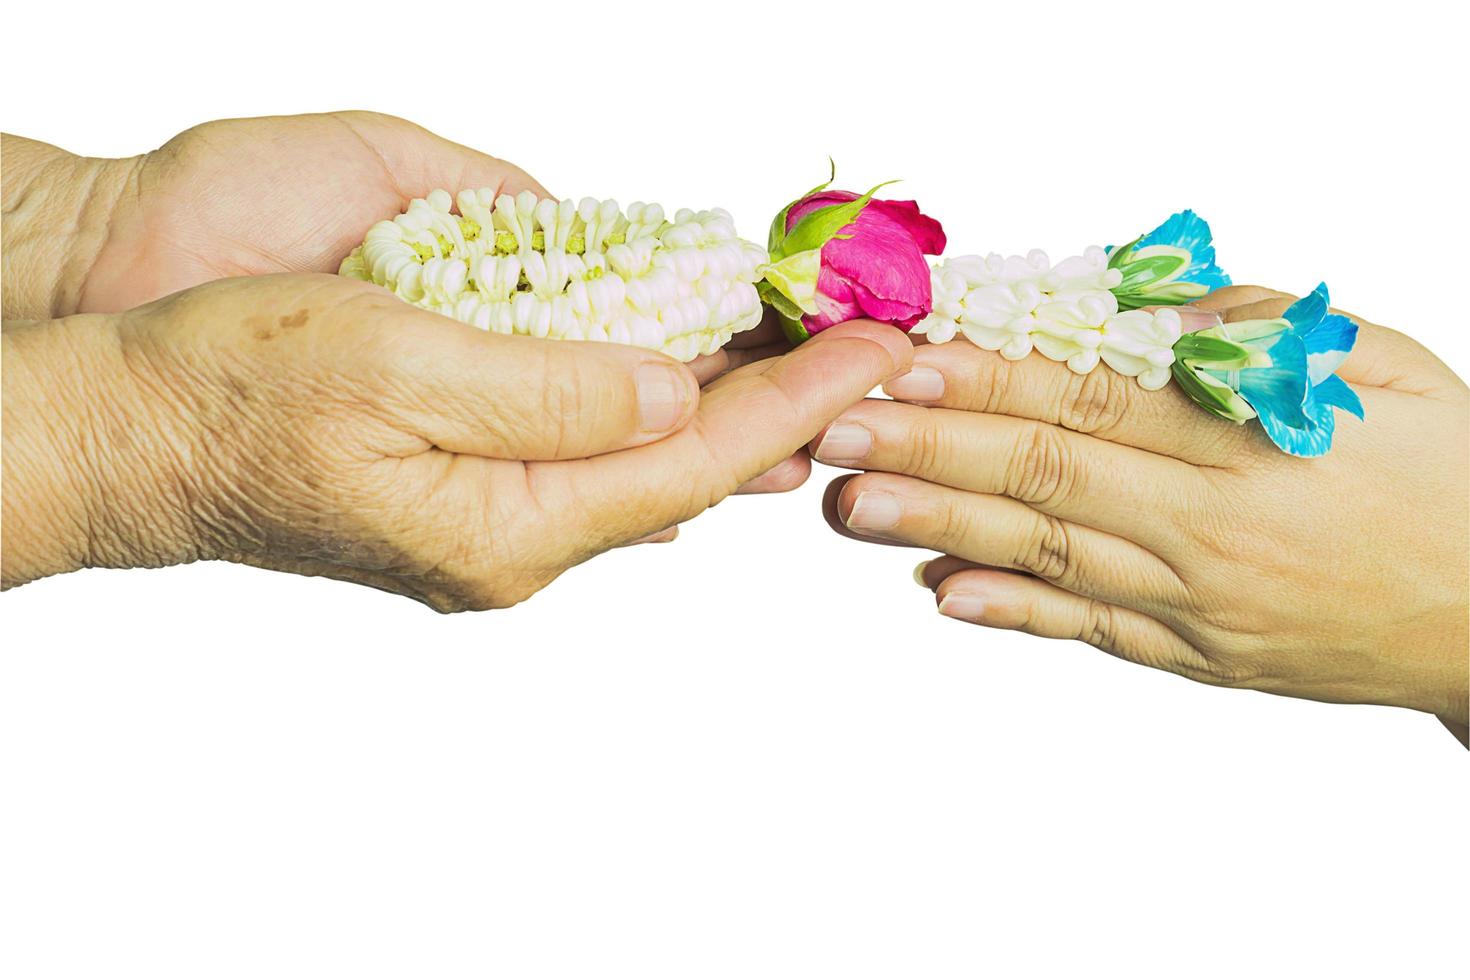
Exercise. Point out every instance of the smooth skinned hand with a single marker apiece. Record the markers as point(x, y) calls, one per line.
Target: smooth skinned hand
point(320, 425)
point(1086, 508)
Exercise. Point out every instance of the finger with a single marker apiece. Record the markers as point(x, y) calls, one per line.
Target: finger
point(745, 426)
point(1007, 601)
point(785, 476)
point(929, 574)
point(511, 397)
point(1381, 357)
point(765, 333)
point(1228, 296)
point(712, 367)
point(1102, 403)
point(1003, 533)
point(739, 357)
point(708, 367)
point(1268, 308)
point(1138, 495)
point(659, 537)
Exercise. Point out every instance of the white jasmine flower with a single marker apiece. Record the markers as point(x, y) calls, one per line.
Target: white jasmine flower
point(575, 271)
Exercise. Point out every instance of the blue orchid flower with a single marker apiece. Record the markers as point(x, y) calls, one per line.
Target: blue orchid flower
point(1171, 265)
point(1279, 371)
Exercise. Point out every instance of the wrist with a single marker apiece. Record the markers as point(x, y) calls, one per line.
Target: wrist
point(88, 477)
point(57, 207)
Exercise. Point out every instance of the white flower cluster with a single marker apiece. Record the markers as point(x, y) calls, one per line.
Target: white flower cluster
point(573, 271)
point(1067, 312)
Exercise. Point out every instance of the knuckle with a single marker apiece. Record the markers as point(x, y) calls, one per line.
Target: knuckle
point(1041, 469)
point(562, 400)
point(1048, 551)
point(1095, 402)
point(1099, 627)
point(1231, 672)
point(956, 527)
point(991, 381)
point(927, 450)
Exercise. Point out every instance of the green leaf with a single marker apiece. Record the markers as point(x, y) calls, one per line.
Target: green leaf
point(774, 298)
point(1211, 394)
point(818, 227)
point(777, 237)
point(793, 329)
point(1161, 294)
point(1121, 254)
point(1215, 350)
point(795, 278)
point(1154, 268)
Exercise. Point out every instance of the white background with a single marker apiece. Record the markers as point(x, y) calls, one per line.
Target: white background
point(758, 751)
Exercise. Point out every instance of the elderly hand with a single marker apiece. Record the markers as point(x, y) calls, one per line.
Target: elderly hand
point(232, 197)
point(1087, 508)
point(320, 425)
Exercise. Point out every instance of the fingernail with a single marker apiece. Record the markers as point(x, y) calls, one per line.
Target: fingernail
point(922, 384)
point(661, 397)
point(962, 605)
point(919, 573)
point(874, 512)
point(844, 443)
point(1192, 319)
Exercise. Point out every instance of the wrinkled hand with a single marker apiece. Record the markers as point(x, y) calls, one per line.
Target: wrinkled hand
point(1086, 508)
point(240, 197)
point(319, 425)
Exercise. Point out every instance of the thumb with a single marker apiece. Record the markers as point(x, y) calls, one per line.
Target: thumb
point(747, 423)
point(521, 398)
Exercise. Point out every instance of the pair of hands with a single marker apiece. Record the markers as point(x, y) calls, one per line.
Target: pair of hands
point(314, 424)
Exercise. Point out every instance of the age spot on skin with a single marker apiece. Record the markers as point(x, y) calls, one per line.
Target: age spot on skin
point(260, 327)
point(263, 331)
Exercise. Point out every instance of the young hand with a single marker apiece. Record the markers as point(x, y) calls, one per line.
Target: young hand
point(1083, 507)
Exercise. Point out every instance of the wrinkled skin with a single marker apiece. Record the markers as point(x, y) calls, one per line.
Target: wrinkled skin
point(301, 422)
point(240, 197)
point(1086, 508)
point(237, 197)
point(319, 425)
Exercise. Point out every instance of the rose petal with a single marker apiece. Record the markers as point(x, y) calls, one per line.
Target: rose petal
point(900, 314)
point(885, 259)
point(927, 233)
point(807, 205)
point(835, 300)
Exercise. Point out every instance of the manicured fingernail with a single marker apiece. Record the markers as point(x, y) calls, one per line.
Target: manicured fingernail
point(874, 512)
point(1192, 319)
point(661, 397)
point(922, 384)
point(845, 443)
point(919, 573)
point(962, 605)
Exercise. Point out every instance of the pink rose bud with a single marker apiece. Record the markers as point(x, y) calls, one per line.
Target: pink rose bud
point(838, 256)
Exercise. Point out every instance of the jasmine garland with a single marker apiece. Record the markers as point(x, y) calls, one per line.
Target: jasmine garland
point(590, 271)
